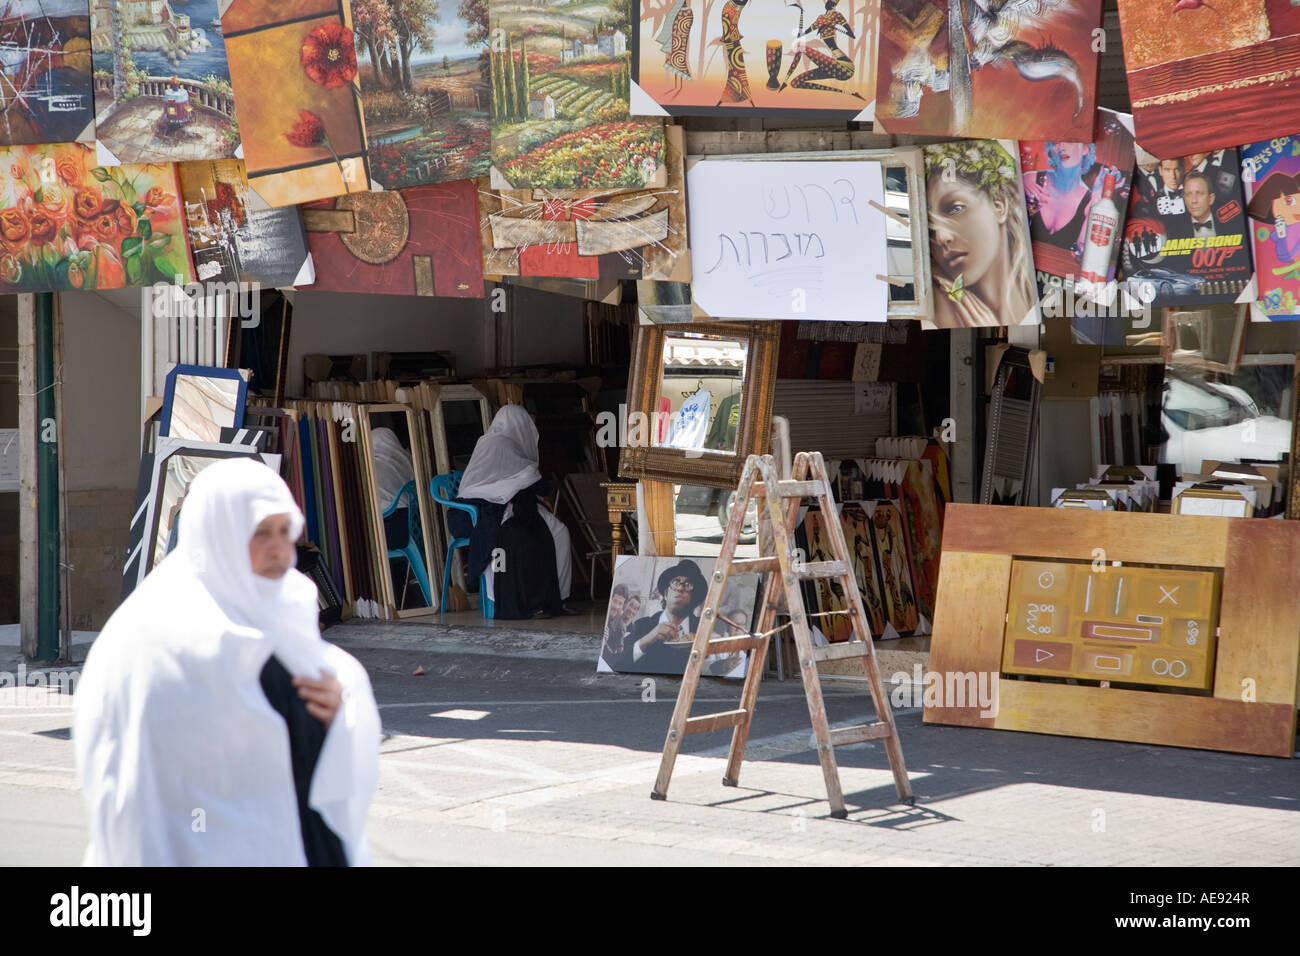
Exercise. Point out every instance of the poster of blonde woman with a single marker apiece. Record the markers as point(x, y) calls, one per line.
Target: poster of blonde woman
point(980, 258)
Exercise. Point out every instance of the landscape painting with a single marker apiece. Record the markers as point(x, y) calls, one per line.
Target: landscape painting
point(1203, 76)
point(817, 58)
point(561, 79)
point(418, 241)
point(293, 65)
point(162, 84)
point(425, 89)
point(232, 242)
point(46, 92)
point(1023, 69)
point(590, 234)
point(67, 224)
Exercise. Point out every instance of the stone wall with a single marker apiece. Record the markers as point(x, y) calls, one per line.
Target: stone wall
point(98, 525)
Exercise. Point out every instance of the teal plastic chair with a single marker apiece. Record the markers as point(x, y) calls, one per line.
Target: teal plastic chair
point(443, 488)
point(412, 550)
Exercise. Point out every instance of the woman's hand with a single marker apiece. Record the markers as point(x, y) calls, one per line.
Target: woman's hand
point(323, 697)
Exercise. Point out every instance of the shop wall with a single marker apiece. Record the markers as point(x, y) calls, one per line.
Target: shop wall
point(1064, 445)
point(100, 446)
point(548, 328)
point(8, 500)
point(341, 324)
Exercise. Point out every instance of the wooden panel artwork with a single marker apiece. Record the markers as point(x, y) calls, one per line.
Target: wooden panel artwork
point(994, 556)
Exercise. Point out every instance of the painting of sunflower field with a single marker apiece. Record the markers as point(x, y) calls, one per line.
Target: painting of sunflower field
point(68, 224)
point(561, 79)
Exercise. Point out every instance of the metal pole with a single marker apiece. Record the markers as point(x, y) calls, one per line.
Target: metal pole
point(47, 485)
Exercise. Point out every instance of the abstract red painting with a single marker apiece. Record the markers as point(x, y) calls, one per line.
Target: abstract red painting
point(418, 241)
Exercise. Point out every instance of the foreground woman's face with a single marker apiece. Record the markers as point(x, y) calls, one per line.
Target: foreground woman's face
point(271, 548)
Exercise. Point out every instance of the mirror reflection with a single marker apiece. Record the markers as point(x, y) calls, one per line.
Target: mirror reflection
point(174, 484)
point(700, 517)
point(201, 407)
point(1213, 416)
point(899, 234)
point(463, 424)
point(700, 392)
point(395, 483)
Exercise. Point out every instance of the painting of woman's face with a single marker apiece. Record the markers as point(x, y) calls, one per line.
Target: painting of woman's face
point(1071, 154)
point(965, 224)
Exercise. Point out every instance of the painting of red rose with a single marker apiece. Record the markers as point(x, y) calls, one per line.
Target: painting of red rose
point(66, 223)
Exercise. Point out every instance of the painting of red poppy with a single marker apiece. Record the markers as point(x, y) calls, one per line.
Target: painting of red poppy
point(68, 224)
point(294, 70)
point(418, 241)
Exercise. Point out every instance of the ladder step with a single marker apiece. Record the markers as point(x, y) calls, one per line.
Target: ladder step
point(754, 565)
point(729, 645)
point(838, 652)
point(791, 489)
point(727, 718)
point(858, 734)
point(822, 569)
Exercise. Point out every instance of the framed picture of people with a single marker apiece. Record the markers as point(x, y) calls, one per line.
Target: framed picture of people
point(654, 613)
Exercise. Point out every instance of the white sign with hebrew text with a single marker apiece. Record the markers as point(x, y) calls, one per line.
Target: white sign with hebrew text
point(775, 239)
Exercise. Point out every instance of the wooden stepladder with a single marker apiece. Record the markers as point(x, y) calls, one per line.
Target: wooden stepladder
point(759, 481)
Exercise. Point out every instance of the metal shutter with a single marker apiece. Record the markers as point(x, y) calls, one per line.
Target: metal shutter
point(821, 418)
point(1112, 89)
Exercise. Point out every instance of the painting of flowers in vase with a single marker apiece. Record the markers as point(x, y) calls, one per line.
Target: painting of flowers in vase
point(67, 224)
point(293, 66)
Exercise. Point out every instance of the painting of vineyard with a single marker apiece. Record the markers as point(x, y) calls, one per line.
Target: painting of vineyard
point(423, 66)
point(560, 77)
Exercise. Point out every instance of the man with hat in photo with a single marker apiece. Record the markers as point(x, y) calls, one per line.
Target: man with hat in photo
point(647, 648)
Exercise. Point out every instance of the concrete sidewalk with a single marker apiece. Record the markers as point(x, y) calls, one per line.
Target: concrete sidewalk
point(510, 749)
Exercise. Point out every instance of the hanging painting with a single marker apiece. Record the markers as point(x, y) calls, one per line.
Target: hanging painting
point(654, 612)
point(230, 240)
point(1202, 76)
point(46, 91)
point(425, 89)
point(560, 88)
point(590, 234)
point(162, 84)
point(819, 59)
point(980, 258)
point(1024, 69)
point(1077, 198)
point(294, 69)
point(1186, 239)
point(1271, 171)
point(418, 241)
point(67, 224)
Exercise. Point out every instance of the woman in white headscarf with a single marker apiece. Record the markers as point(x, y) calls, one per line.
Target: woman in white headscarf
point(504, 480)
point(213, 725)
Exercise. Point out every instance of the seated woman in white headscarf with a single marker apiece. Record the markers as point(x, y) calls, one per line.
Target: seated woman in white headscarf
point(393, 469)
point(503, 479)
point(213, 725)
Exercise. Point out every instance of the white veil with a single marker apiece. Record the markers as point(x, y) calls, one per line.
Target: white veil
point(505, 461)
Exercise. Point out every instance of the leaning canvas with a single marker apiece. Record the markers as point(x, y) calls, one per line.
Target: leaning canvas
point(1013, 69)
point(68, 224)
point(425, 88)
point(653, 615)
point(561, 80)
point(293, 66)
point(162, 83)
point(817, 59)
point(46, 89)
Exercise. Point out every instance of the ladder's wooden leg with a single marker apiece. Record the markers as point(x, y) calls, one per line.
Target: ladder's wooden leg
point(677, 726)
point(748, 699)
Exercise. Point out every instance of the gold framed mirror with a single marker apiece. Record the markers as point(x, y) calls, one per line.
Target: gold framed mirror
point(677, 429)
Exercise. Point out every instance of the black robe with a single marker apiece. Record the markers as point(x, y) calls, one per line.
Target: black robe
point(306, 737)
point(529, 581)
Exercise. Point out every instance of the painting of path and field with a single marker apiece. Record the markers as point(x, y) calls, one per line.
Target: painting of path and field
point(425, 88)
point(561, 78)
